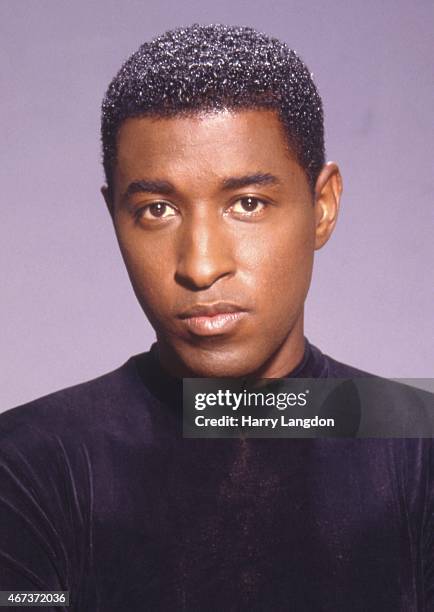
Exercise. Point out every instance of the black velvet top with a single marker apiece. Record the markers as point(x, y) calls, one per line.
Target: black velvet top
point(102, 496)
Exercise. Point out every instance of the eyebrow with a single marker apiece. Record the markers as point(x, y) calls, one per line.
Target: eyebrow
point(259, 178)
point(146, 186)
point(233, 182)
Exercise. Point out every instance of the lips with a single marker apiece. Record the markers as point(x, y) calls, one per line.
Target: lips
point(213, 319)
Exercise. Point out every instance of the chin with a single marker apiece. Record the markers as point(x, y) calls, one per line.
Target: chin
point(219, 364)
point(223, 371)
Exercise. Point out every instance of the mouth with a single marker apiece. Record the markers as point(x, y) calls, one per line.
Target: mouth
point(213, 319)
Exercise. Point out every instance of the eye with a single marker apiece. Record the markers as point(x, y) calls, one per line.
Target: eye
point(157, 210)
point(248, 206)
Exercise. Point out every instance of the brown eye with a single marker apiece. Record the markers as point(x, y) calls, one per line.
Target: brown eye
point(157, 210)
point(248, 206)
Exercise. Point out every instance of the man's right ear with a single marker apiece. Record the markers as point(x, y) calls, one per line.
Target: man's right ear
point(108, 199)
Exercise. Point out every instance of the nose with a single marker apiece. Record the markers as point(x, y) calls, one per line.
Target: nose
point(205, 253)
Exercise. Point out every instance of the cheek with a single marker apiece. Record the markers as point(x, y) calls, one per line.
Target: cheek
point(278, 264)
point(147, 264)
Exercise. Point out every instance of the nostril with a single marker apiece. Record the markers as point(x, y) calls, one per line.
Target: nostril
point(198, 281)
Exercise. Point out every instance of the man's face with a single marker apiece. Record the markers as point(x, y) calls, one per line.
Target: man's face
point(217, 226)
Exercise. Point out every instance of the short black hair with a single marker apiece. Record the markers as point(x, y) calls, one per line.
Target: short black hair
point(212, 67)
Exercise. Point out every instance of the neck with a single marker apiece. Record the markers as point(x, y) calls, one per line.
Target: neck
point(287, 357)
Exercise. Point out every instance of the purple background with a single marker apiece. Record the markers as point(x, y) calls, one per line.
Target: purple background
point(67, 310)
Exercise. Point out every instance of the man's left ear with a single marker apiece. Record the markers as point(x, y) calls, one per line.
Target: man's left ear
point(328, 190)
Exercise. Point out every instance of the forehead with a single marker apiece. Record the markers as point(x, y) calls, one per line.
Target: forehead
point(218, 143)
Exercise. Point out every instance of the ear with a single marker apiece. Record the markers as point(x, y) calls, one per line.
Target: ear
point(108, 199)
point(328, 190)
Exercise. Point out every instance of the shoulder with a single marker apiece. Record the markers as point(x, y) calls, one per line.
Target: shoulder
point(325, 366)
point(385, 408)
point(380, 388)
point(71, 437)
point(338, 369)
point(77, 406)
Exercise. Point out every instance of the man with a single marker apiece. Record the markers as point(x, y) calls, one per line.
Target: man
point(219, 195)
